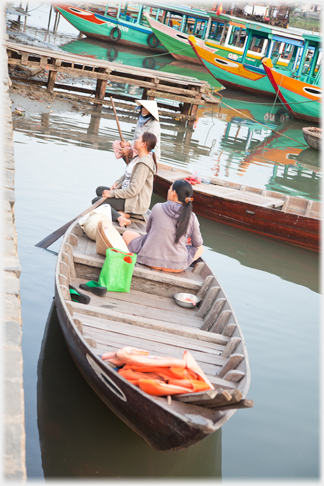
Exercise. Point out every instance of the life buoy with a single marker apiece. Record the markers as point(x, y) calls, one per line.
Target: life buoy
point(112, 54)
point(152, 40)
point(115, 34)
point(149, 63)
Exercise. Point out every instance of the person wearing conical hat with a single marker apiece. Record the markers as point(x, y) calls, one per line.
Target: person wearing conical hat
point(148, 121)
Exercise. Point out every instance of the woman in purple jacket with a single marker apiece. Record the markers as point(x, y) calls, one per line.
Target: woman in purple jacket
point(169, 226)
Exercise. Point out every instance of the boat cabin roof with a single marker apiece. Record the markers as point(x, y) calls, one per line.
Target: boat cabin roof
point(313, 38)
point(268, 31)
point(181, 9)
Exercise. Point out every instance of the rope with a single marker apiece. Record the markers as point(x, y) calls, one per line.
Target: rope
point(259, 123)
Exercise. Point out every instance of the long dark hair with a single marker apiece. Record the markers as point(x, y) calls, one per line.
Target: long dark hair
point(184, 192)
point(150, 140)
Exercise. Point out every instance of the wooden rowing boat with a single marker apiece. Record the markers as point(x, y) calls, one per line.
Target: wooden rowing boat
point(290, 219)
point(149, 318)
point(313, 136)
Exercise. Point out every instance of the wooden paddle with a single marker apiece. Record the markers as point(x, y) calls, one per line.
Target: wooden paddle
point(46, 242)
point(117, 121)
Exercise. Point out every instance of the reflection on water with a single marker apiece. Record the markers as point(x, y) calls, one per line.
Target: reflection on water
point(273, 287)
point(81, 438)
point(247, 142)
point(141, 58)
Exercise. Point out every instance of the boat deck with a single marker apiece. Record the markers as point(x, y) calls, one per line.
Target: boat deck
point(147, 317)
point(245, 194)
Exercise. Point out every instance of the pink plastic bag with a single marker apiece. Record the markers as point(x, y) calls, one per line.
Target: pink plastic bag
point(117, 149)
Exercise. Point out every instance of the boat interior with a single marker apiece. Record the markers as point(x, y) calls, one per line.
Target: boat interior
point(148, 317)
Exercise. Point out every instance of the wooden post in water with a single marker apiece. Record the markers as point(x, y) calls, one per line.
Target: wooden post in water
point(101, 85)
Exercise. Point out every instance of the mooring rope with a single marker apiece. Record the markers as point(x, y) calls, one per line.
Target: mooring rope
point(259, 123)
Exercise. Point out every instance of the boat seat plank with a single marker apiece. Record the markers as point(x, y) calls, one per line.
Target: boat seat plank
point(188, 344)
point(170, 327)
point(122, 339)
point(142, 310)
point(117, 341)
point(149, 274)
point(136, 297)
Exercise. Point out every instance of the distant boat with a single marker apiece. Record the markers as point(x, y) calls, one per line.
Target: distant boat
point(213, 30)
point(299, 89)
point(313, 137)
point(290, 219)
point(126, 27)
point(246, 72)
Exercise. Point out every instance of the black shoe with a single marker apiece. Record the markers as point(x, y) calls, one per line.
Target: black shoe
point(77, 296)
point(94, 287)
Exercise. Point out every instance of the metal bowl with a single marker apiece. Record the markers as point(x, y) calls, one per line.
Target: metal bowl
point(180, 300)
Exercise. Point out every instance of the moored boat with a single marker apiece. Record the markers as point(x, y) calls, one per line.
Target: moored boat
point(210, 29)
point(126, 28)
point(149, 318)
point(313, 136)
point(246, 72)
point(299, 90)
point(290, 219)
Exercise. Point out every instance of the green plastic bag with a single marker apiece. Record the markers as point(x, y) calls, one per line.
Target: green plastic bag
point(117, 271)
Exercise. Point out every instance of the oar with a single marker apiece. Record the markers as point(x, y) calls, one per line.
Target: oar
point(46, 242)
point(117, 121)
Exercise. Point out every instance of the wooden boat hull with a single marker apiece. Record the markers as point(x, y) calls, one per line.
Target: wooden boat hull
point(313, 136)
point(302, 100)
point(99, 27)
point(290, 228)
point(162, 424)
point(133, 407)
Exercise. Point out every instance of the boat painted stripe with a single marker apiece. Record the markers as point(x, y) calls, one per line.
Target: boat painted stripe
point(124, 23)
point(79, 13)
point(106, 379)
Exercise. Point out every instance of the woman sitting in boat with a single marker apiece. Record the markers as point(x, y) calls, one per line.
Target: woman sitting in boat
point(169, 226)
point(148, 121)
point(132, 192)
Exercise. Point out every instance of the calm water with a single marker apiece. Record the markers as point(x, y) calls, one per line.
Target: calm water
point(61, 157)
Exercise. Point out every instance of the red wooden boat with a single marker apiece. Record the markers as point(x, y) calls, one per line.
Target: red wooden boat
point(290, 219)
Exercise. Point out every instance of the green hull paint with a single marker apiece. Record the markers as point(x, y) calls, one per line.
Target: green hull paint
point(116, 53)
point(175, 46)
point(300, 106)
point(202, 74)
point(131, 34)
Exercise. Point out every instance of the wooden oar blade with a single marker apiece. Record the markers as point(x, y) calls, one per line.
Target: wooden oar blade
point(50, 239)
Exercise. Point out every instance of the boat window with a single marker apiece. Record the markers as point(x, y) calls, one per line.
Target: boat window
point(258, 44)
point(195, 26)
point(237, 37)
point(216, 30)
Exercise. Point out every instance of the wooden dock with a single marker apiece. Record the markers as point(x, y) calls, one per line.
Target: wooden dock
point(188, 92)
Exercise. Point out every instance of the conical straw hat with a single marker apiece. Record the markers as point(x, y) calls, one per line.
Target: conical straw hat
point(108, 237)
point(151, 106)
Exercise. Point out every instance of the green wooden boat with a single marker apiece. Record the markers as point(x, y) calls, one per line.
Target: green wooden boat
point(215, 31)
point(126, 26)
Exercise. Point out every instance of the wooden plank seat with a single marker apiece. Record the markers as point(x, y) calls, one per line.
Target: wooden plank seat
point(142, 304)
point(148, 323)
point(118, 335)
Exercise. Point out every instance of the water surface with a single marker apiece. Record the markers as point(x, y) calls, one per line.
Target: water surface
point(62, 154)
